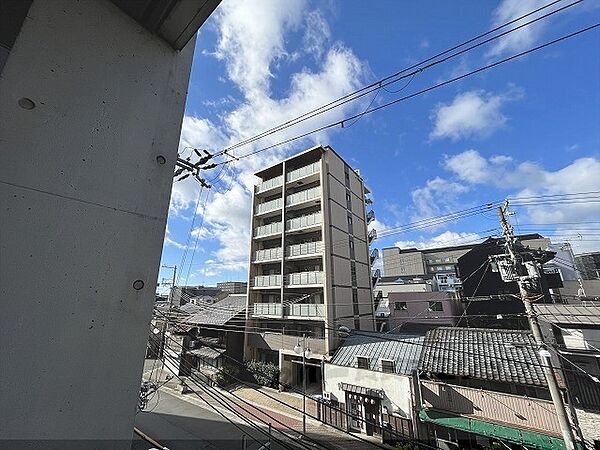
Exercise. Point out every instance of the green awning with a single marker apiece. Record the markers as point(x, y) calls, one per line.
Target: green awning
point(507, 433)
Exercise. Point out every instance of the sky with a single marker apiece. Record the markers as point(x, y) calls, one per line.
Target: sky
point(529, 127)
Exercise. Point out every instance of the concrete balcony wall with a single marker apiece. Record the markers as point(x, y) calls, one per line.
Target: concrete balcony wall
point(304, 278)
point(491, 406)
point(267, 281)
point(266, 230)
point(307, 248)
point(303, 196)
point(303, 171)
point(268, 254)
point(303, 221)
point(276, 341)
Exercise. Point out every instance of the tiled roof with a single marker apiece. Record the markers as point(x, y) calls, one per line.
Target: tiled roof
point(220, 313)
point(403, 349)
point(498, 355)
point(568, 314)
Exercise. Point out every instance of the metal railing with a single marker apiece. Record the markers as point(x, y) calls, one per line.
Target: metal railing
point(269, 206)
point(304, 278)
point(301, 172)
point(267, 309)
point(493, 406)
point(307, 310)
point(267, 281)
point(266, 230)
point(303, 196)
point(267, 254)
point(276, 341)
point(268, 184)
point(306, 248)
point(303, 221)
point(370, 216)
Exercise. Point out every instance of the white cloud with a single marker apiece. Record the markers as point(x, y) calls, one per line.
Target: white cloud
point(471, 114)
point(316, 35)
point(251, 43)
point(523, 38)
point(436, 197)
point(447, 238)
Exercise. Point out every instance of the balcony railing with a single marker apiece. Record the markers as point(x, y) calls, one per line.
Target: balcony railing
point(307, 310)
point(303, 196)
point(267, 254)
point(269, 206)
point(266, 230)
point(491, 406)
point(267, 309)
point(269, 184)
point(304, 278)
point(303, 171)
point(303, 221)
point(307, 248)
point(267, 281)
point(276, 341)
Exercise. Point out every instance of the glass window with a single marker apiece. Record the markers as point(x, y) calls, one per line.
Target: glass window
point(351, 244)
point(400, 306)
point(348, 200)
point(436, 306)
point(362, 362)
point(388, 366)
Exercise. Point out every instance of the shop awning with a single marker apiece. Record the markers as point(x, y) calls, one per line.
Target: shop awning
point(206, 352)
point(524, 437)
point(377, 393)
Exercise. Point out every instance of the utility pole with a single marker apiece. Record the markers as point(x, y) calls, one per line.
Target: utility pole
point(512, 267)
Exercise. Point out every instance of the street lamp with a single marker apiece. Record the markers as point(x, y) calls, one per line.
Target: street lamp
point(306, 353)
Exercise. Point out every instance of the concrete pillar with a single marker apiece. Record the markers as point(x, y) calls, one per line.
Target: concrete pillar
point(85, 180)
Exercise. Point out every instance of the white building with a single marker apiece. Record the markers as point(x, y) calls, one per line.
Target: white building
point(309, 265)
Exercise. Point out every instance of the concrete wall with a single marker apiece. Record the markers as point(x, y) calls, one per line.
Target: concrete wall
point(589, 424)
point(397, 388)
point(84, 204)
point(400, 264)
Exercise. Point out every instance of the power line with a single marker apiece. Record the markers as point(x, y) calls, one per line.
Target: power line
point(394, 78)
point(417, 93)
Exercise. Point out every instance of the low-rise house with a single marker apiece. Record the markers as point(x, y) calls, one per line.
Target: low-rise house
point(575, 332)
point(478, 386)
point(369, 384)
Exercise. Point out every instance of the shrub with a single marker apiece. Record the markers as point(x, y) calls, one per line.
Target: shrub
point(265, 373)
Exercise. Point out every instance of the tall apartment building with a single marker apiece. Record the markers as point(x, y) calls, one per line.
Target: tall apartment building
point(310, 268)
point(233, 287)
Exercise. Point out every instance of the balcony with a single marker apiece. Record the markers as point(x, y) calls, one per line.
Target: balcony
point(267, 281)
point(268, 207)
point(372, 235)
point(306, 310)
point(269, 185)
point(268, 230)
point(267, 309)
point(277, 341)
point(304, 196)
point(488, 406)
point(305, 279)
point(370, 216)
point(312, 221)
point(299, 251)
point(268, 254)
point(303, 172)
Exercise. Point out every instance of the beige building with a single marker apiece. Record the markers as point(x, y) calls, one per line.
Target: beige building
point(310, 268)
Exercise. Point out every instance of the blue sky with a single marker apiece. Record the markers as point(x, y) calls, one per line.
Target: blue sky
point(528, 127)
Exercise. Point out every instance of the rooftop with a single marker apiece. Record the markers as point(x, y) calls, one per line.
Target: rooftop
point(219, 313)
point(403, 349)
point(569, 314)
point(508, 356)
point(522, 237)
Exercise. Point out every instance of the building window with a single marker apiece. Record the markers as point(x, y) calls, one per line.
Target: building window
point(348, 200)
point(355, 302)
point(350, 230)
point(351, 244)
point(362, 362)
point(353, 273)
point(388, 366)
point(400, 306)
point(436, 306)
point(347, 174)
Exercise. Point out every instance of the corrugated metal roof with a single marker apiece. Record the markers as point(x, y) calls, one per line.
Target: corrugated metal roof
point(498, 355)
point(403, 349)
point(220, 313)
point(568, 314)
point(206, 352)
